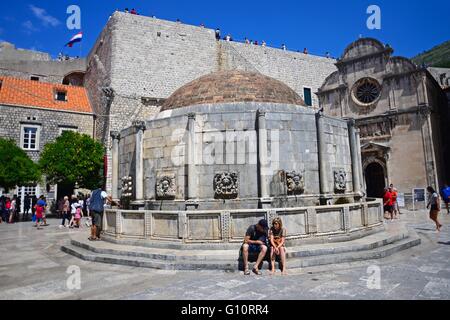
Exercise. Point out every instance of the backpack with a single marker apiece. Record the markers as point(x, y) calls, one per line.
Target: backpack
point(96, 203)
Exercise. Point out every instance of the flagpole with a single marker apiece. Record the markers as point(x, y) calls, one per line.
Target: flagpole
point(81, 47)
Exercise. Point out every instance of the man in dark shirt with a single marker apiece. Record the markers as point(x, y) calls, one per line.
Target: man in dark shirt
point(255, 241)
point(26, 207)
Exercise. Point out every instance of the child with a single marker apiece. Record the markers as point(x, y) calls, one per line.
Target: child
point(77, 217)
point(277, 236)
point(39, 215)
point(73, 205)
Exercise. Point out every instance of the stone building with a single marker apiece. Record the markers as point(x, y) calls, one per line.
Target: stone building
point(401, 112)
point(39, 66)
point(137, 62)
point(232, 147)
point(34, 113)
point(232, 139)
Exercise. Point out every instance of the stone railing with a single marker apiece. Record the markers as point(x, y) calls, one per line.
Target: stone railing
point(229, 226)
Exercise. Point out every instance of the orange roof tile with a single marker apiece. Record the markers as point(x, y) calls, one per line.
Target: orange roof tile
point(21, 92)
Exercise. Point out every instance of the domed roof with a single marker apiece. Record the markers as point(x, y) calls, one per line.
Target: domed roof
point(232, 86)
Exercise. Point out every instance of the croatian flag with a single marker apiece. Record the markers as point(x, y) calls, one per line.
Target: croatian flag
point(76, 38)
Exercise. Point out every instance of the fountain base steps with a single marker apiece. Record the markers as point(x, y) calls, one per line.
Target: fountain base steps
point(393, 239)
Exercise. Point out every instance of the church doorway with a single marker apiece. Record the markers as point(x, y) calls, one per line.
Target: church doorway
point(375, 180)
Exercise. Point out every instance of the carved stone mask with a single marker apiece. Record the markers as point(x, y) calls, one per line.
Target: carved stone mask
point(340, 180)
point(226, 185)
point(295, 183)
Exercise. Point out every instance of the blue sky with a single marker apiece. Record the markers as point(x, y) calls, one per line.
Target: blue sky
point(410, 27)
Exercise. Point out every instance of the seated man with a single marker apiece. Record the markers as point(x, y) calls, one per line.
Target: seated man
point(255, 241)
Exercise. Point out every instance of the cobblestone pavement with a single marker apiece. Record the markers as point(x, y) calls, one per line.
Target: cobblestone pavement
point(32, 266)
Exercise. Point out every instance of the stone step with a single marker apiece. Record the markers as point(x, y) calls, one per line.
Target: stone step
point(371, 254)
point(87, 255)
point(169, 255)
point(233, 264)
point(372, 247)
point(370, 242)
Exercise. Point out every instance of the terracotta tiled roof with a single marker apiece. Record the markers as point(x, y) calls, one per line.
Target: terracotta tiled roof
point(41, 94)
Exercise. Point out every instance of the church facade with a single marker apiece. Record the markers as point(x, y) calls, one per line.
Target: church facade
point(401, 112)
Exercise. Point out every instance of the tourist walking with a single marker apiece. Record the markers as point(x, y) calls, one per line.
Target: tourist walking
point(39, 212)
point(33, 204)
point(395, 209)
point(446, 196)
point(42, 203)
point(255, 241)
point(3, 216)
point(387, 204)
point(13, 210)
point(1, 209)
point(277, 238)
point(26, 207)
point(73, 209)
point(7, 209)
point(88, 214)
point(78, 215)
point(81, 203)
point(65, 212)
point(60, 208)
point(96, 208)
point(434, 206)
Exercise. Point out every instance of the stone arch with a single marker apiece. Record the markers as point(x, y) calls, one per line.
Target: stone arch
point(361, 47)
point(375, 176)
point(74, 78)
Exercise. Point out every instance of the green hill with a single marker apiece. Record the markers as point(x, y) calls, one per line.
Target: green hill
point(438, 57)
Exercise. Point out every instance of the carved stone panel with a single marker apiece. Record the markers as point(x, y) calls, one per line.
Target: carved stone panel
point(226, 185)
point(295, 183)
point(165, 186)
point(340, 180)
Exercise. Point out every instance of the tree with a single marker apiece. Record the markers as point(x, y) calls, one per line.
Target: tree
point(16, 168)
point(73, 158)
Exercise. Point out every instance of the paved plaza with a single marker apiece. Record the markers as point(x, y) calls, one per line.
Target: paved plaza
point(32, 266)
